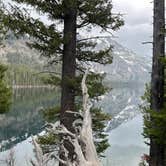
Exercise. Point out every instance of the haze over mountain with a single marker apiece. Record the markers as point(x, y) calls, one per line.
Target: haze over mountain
point(127, 67)
point(15, 51)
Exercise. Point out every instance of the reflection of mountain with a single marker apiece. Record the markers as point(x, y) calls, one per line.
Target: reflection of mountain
point(25, 119)
point(122, 104)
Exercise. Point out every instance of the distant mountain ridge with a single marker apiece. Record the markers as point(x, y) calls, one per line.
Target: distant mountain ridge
point(15, 51)
point(127, 67)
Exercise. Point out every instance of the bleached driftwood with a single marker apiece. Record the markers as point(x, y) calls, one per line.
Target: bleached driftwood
point(86, 134)
point(82, 141)
point(41, 158)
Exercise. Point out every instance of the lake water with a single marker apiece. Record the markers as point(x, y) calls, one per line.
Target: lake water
point(127, 144)
point(25, 119)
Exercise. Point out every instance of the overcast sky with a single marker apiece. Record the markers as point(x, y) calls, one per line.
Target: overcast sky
point(138, 24)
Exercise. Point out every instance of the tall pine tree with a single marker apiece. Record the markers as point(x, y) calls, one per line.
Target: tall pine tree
point(64, 45)
point(158, 149)
point(155, 111)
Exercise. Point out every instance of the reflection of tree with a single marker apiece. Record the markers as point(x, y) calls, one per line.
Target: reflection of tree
point(25, 119)
point(5, 92)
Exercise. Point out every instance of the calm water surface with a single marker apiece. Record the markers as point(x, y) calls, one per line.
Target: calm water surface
point(26, 119)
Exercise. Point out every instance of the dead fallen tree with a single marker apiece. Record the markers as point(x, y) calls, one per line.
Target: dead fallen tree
point(82, 140)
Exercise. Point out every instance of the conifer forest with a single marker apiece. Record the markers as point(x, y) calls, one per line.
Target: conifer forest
point(82, 83)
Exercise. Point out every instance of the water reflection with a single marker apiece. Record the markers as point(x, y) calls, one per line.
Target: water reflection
point(127, 144)
point(24, 118)
point(122, 104)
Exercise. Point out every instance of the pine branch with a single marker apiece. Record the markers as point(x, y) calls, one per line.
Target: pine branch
point(90, 38)
point(52, 7)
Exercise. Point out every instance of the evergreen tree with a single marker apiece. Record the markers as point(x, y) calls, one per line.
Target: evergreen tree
point(158, 149)
point(5, 92)
point(155, 112)
point(64, 45)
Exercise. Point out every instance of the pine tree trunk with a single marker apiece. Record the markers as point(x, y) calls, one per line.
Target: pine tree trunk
point(157, 151)
point(69, 61)
point(68, 74)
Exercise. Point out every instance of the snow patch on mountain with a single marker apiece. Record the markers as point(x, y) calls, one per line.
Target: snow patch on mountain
point(127, 66)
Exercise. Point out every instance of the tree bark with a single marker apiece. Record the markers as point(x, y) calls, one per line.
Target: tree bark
point(157, 151)
point(69, 61)
point(68, 75)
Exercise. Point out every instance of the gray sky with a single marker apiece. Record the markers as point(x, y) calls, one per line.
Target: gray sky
point(138, 24)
